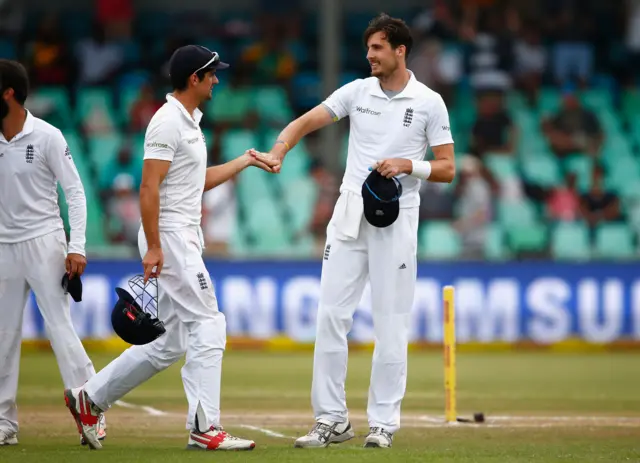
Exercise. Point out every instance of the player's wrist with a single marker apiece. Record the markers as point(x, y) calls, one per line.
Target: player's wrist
point(420, 169)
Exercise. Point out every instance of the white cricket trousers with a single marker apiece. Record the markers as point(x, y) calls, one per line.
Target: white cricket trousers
point(387, 258)
point(188, 308)
point(36, 264)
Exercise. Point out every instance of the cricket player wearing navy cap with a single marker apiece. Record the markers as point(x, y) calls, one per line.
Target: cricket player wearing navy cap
point(34, 254)
point(174, 177)
point(373, 232)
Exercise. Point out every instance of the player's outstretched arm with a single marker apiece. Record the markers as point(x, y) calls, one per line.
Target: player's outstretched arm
point(310, 121)
point(217, 175)
point(153, 173)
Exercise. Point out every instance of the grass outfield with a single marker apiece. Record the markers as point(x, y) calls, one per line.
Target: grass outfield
point(539, 407)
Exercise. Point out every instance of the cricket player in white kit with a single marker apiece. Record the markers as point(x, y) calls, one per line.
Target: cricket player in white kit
point(174, 178)
point(34, 156)
point(393, 119)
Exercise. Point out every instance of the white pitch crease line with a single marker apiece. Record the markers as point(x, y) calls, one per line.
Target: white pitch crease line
point(155, 412)
point(268, 432)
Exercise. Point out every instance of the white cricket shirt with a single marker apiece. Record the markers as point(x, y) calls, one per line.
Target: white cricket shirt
point(381, 128)
point(31, 164)
point(174, 135)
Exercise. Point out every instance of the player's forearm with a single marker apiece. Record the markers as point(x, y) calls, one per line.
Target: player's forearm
point(150, 212)
point(289, 137)
point(313, 120)
point(217, 175)
point(437, 170)
point(442, 171)
point(77, 218)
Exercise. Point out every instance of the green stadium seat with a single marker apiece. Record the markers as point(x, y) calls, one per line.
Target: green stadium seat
point(59, 98)
point(502, 166)
point(238, 244)
point(103, 149)
point(582, 166)
point(439, 240)
point(231, 104)
point(128, 97)
point(254, 184)
point(624, 172)
point(273, 105)
point(516, 213)
point(302, 247)
point(300, 198)
point(494, 245)
point(597, 99)
point(631, 104)
point(530, 238)
point(542, 170)
point(549, 101)
point(616, 147)
point(235, 142)
point(267, 226)
point(570, 241)
point(91, 100)
point(614, 241)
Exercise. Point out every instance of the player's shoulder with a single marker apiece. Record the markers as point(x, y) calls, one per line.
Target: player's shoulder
point(45, 132)
point(167, 118)
point(43, 128)
point(356, 85)
point(426, 93)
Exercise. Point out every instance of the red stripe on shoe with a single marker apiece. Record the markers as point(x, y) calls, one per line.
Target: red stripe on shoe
point(212, 442)
point(85, 412)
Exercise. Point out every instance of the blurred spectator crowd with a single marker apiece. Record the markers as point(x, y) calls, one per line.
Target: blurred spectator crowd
point(542, 97)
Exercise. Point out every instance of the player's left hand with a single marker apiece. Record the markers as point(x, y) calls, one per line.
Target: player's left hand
point(392, 167)
point(75, 264)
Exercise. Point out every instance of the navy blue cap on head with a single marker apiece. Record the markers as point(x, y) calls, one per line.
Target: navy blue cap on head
point(193, 58)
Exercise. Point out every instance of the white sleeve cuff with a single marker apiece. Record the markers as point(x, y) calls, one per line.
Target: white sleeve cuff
point(421, 169)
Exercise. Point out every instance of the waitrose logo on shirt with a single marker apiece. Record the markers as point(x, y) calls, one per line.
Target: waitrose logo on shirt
point(362, 110)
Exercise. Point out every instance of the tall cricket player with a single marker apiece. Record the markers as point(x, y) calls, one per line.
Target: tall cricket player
point(174, 177)
point(393, 119)
point(34, 156)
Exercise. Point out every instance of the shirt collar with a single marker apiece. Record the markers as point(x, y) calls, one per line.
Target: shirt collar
point(197, 114)
point(27, 128)
point(409, 91)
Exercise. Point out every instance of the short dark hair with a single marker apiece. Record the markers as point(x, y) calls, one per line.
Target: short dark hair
point(395, 30)
point(181, 82)
point(14, 75)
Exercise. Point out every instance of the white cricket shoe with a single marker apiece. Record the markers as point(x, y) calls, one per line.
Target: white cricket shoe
point(217, 439)
point(102, 430)
point(324, 433)
point(8, 438)
point(86, 414)
point(378, 437)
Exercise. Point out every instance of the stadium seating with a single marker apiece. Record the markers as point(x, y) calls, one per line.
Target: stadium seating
point(570, 241)
point(274, 211)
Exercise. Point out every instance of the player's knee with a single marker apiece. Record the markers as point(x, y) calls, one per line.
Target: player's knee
point(164, 358)
point(209, 335)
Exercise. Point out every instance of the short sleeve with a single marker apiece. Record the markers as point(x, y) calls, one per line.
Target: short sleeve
point(438, 127)
point(161, 140)
point(339, 102)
